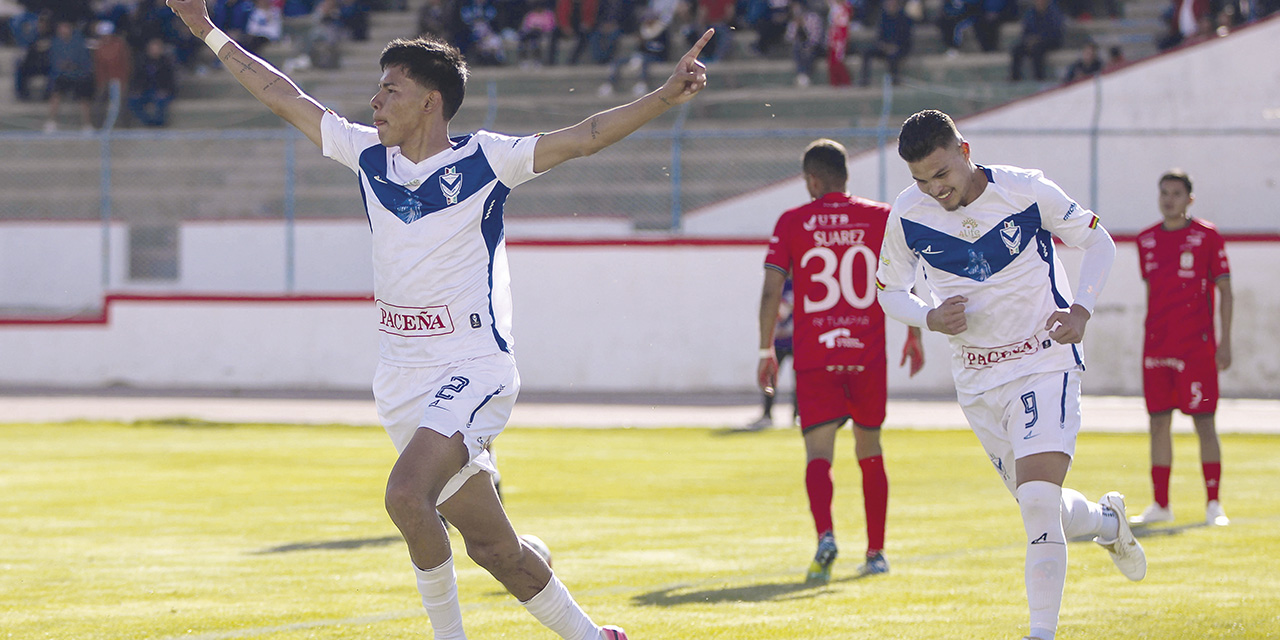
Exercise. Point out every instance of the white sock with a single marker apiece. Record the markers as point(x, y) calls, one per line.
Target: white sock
point(439, 589)
point(556, 610)
point(1046, 566)
point(1083, 518)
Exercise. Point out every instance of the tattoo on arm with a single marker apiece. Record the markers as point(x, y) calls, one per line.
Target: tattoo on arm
point(246, 65)
point(595, 132)
point(664, 100)
point(271, 84)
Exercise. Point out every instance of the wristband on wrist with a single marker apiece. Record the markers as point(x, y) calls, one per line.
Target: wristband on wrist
point(215, 39)
point(766, 353)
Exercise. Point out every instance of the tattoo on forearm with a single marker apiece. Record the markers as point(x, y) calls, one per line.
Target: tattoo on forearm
point(664, 100)
point(245, 65)
point(595, 132)
point(271, 84)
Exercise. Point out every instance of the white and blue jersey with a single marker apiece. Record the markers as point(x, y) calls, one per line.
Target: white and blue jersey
point(441, 282)
point(998, 252)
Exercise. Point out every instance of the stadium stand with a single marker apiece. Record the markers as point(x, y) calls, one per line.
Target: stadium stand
point(748, 92)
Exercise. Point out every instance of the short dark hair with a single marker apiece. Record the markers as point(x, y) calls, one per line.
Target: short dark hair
point(432, 63)
point(827, 160)
point(1179, 175)
point(925, 132)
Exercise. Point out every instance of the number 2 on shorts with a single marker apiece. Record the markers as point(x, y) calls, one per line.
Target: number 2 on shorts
point(456, 385)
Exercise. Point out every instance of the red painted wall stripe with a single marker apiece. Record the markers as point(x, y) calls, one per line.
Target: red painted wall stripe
point(102, 316)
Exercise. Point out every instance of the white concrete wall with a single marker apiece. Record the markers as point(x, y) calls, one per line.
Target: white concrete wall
point(587, 318)
point(59, 266)
point(1204, 87)
point(217, 345)
point(50, 265)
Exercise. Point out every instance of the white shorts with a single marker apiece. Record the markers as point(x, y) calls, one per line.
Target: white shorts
point(473, 397)
point(1036, 414)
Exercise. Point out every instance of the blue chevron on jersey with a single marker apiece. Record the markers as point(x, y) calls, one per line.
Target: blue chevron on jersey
point(1044, 240)
point(492, 229)
point(446, 187)
point(439, 249)
point(982, 258)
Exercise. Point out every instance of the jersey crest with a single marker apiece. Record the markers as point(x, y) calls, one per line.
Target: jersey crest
point(1011, 233)
point(451, 185)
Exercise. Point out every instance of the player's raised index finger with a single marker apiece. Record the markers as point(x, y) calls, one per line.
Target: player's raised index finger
point(696, 50)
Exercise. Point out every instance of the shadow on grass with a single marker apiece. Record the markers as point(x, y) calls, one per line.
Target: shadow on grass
point(178, 422)
point(738, 431)
point(775, 592)
point(331, 545)
point(1149, 532)
point(1141, 531)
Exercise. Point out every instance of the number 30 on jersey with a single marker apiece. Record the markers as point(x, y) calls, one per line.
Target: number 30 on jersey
point(836, 276)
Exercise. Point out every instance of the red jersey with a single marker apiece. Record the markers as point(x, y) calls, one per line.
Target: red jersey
point(1181, 268)
point(831, 247)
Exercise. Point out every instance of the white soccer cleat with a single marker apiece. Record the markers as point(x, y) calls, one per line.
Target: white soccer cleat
point(1153, 514)
point(1214, 515)
point(1125, 551)
point(610, 632)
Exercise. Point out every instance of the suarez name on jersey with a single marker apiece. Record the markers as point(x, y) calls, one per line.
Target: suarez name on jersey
point(830, 247)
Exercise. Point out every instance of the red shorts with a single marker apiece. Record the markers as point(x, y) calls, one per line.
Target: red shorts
point(1189, 383)
point(823, 396)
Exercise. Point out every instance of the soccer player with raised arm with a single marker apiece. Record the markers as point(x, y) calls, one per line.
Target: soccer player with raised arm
point(985, 237)
point(1184, 260)
point(829, 248)
point(446, 378)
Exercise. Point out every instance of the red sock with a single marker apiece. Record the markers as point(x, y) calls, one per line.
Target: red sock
point(1212, 474)
point(875, 499)
point(817, 479)
point(1160, 482)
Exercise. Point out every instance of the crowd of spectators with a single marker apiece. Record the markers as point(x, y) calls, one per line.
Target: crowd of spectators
point(1185, 22)
point(76, 50)
point(591, 31)
point(488, 31)
point(1189, 21)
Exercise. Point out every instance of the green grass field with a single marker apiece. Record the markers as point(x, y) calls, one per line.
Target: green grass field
point(205, 531)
